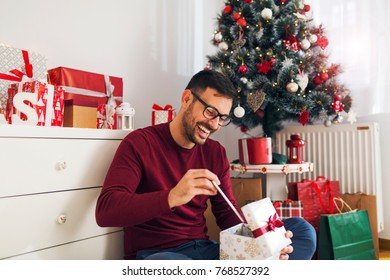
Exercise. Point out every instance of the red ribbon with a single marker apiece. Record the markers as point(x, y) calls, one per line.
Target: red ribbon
point(317, 189)
point(273, 223)
point(159, 108)
point(278, 203)
point(19, 74)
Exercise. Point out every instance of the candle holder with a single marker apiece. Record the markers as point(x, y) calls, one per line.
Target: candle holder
point(125, 116)
point(295, 151)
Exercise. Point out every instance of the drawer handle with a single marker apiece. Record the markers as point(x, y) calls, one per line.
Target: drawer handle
point(61, 165)
point(61, 219)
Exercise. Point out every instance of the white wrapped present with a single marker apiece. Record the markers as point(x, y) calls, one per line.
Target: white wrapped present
point(262, 238)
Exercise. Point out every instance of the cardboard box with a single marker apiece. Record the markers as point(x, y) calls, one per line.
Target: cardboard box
point(80, 113)
point(264, 239)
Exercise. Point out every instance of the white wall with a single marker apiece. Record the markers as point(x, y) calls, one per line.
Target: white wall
point(154, 45)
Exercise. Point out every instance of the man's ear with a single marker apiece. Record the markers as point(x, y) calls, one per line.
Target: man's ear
point(186, 97)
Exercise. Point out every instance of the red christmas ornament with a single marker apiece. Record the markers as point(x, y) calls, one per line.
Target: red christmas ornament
point(317, 80)
point(243, 69)
point(264, 67)
point(260, 113)
point(236, 16)
point(243, 128)
point(248, 1)
point(291, 43)
point(303, 117)
point(283, 1)
point(337, 105)
point(322, 42)
point(324, 76)
point(228, 9)
point(306, 8)
point(241, 22)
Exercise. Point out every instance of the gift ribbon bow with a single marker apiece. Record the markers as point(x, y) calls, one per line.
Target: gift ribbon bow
point(273, 223)
point(278, 203)
point(159, 108)
point(328, 189)
point(18, 75)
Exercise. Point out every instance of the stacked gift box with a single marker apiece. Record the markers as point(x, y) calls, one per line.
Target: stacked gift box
point(87, 92)
point(32, 95)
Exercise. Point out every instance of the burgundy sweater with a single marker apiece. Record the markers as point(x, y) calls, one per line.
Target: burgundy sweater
point(147, 164)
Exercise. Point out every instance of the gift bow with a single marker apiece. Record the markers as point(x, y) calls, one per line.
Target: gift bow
point(278, 203)
point(273, 223)
point(18, 75)
point(159, 108)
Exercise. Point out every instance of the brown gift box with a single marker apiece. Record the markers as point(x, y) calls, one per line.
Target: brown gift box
point(80, 113)
point(245, 190)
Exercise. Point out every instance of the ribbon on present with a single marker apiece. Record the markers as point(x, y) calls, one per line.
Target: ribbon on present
point(272, 223)
point(18, 74)
point(159, 108)
point(278, 203)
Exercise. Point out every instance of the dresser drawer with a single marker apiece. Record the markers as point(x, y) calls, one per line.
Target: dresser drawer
point(104, 247)
point(33, 222)
point(40, 165)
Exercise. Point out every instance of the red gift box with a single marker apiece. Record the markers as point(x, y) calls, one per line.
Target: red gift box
point(87, 86)
point(288, 208)
point(162, 115)
point(255, 150)
point(33, 102)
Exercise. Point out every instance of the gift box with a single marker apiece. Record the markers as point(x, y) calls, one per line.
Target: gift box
point(288, 208)
point(255, 150)
point(262, 238)
point(106, 116)
point(15, 63)
point(87, 86)
point(162, 115)
point(32, 102)
point(80, 113)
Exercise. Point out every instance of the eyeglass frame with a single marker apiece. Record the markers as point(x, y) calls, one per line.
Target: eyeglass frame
point(222, 117)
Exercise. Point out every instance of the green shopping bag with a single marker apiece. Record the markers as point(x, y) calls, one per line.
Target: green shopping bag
point(345, 236)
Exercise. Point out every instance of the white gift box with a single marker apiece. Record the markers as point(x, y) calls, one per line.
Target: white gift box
point(262, 238)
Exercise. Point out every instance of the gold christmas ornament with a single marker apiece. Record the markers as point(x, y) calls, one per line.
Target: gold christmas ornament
point(292, 87)
point(255, 100)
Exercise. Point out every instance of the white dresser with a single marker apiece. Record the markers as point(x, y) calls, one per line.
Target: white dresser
point(50, 178)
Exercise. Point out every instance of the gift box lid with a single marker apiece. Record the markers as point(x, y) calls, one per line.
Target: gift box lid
point(84, 103)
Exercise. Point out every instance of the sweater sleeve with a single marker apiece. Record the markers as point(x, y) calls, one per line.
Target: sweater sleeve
point(119, 204)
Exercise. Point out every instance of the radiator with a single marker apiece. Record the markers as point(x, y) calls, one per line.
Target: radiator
point(349, 153)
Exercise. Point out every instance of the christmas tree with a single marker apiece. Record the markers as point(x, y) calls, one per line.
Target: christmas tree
point(276, 58)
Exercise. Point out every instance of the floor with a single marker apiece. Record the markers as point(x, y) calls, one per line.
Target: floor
point(384, 255)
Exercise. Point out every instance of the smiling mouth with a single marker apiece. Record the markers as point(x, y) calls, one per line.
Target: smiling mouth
point(205, 131)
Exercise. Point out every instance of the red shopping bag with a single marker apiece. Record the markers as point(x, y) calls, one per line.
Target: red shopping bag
point(316, 196)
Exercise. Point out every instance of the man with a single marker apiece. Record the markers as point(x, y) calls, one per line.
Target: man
point(162, 176)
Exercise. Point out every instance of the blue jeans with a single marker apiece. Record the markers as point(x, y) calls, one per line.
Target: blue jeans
point(304, 243)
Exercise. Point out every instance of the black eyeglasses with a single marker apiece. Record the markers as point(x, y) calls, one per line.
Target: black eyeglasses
point(211, 112)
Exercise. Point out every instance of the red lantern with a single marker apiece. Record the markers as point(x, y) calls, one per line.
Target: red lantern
point(295, 150)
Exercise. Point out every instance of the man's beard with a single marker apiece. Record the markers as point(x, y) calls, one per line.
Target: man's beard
point(189, 130)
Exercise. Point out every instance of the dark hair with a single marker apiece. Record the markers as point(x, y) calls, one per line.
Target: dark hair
point(212, 79)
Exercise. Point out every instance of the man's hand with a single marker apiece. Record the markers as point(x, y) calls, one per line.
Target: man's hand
point(286, 250)
point(194, 182)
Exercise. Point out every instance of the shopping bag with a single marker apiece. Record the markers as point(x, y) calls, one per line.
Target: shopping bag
point(345, 236)
point(316, 196)
point(363, 201)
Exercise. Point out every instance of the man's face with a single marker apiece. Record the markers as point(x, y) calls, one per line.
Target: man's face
point(197, 127)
